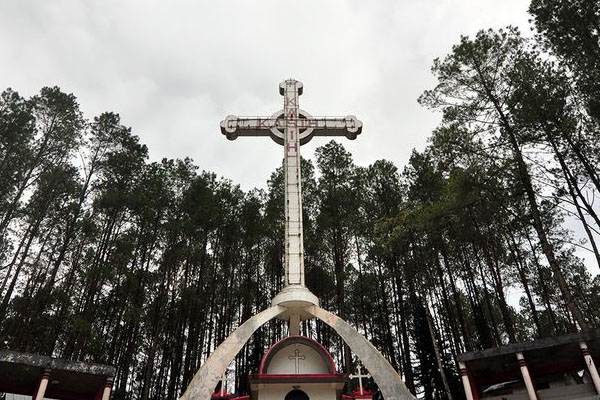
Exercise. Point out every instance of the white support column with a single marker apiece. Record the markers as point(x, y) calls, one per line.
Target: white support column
point(41, 392)
point(107, 389)
point(465, 380)
point(591, 366)
point(294, 325)
point(526, 377)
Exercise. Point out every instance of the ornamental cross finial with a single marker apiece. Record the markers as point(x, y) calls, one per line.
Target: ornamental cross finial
point(360, 377)
point(297, 357)
point(292, 127)
point(224, 381)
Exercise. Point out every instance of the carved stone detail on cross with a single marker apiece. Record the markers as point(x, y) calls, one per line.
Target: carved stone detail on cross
point(292, 127)
point(360, 377)
point(297, 357)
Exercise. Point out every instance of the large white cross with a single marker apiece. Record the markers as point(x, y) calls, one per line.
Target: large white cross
point(292, 127)
point(360, 377)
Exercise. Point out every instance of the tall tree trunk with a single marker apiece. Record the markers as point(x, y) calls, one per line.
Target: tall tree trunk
point(11, 287)
point(450, 318)
point(587, 165)
point(339, 265)
point(538, 224)
point(409, 376)
point(457, 301)
point(488, 300)
point(572, 188)
point(438, 356)
point(389, 341)
point(520, 265)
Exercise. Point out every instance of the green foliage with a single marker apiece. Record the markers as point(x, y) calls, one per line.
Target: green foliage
point(570, 29)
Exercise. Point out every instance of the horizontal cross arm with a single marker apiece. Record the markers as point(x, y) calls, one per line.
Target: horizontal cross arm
point(348, 126)
point(309, 126)
point(233, 126)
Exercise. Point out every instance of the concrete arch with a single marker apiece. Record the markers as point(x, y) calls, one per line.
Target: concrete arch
point(203, 383)
point(389, 382)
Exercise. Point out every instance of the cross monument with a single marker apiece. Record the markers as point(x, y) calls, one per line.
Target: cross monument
point(292, 127)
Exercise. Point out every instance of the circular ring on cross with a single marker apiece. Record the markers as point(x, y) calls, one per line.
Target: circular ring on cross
point(305, 132)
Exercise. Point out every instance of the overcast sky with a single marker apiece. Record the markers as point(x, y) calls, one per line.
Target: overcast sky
point(174, 69)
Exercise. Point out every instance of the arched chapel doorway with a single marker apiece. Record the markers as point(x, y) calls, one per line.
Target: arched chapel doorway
point(296, 395)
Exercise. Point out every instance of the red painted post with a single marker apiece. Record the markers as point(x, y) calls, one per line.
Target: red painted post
point(107, 389)
point(40, 392)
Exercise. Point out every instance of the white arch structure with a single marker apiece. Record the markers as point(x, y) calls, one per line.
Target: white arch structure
point(204, 382)
point(389, 382)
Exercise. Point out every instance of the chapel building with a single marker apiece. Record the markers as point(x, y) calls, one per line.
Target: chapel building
point(297, 368)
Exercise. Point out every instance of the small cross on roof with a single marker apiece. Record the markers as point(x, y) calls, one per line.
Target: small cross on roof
point(360, 377)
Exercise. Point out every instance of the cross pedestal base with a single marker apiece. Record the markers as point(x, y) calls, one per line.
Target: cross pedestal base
point(295, 298)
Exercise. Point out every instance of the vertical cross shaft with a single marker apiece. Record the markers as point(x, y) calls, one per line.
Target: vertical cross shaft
point(294, 247)
point(297, 357)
